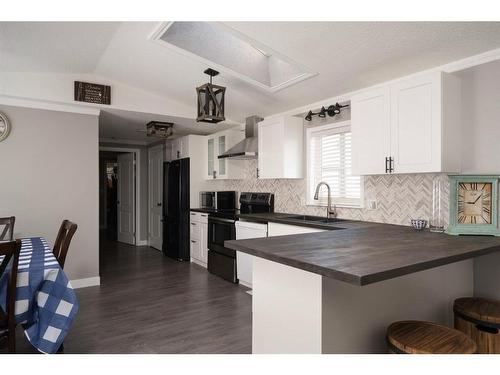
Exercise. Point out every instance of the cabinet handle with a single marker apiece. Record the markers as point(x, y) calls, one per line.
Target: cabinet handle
point(215, 174)
point(258, 173)
point(386, 164)
point(193, 223)
point(193, 241)
point(178, 154)
point(193, 214)
point(203, 215)
point(391, 164)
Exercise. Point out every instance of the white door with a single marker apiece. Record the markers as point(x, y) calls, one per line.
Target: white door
point(371, 131)
point(271, 139)
point(416, 124)
point(126, 198)
point(155, 197)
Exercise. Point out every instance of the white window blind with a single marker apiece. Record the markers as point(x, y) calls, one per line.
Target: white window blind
point(329, 160)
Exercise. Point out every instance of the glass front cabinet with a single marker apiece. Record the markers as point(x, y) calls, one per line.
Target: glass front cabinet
point(217, 144)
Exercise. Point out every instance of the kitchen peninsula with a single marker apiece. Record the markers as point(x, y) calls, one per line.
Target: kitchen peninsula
point(337, 291)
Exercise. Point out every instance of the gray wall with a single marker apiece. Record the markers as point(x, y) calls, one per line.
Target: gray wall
point(48, 174)
point(143, 181)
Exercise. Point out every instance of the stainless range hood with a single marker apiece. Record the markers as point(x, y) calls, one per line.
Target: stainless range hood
point(247, 148)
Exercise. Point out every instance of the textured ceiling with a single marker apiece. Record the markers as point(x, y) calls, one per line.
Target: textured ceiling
point(347, 56)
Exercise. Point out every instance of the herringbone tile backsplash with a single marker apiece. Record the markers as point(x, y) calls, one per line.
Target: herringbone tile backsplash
point(399, 197)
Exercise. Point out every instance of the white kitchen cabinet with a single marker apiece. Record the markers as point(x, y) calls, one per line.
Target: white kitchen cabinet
point(280, 153)
point(409, 126)
point(370, 128)
point(199, 238)
point(180, 148)
point(278, 229)
point(216, 145)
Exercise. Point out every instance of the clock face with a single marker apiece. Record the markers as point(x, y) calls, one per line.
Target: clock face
point(474, 203)
point(4, 127)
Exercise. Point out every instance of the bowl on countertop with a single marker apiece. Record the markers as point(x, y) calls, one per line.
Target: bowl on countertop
point(418, 224)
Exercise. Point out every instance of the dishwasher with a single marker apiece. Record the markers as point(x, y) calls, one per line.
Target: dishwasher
point(244, 262)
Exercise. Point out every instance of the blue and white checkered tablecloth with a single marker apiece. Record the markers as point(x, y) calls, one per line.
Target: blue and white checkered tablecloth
point(46, 304)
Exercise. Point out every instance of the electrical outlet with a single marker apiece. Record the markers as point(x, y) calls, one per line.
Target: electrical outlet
point(372, 204)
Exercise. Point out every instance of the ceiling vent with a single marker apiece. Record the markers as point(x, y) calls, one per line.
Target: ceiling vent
point(226, 49)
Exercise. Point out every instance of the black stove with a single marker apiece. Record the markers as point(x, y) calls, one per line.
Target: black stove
point(221, 227)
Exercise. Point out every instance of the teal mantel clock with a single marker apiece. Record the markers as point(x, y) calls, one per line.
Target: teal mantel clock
point(474, 205)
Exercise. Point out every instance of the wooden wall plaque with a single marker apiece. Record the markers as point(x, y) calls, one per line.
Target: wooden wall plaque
point(92, 93)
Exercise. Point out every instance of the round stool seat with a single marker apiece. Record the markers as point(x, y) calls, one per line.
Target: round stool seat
point(416, 337)
point(479, 310)
point(479, 318)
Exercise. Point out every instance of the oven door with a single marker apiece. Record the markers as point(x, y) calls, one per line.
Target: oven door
point(220, 230)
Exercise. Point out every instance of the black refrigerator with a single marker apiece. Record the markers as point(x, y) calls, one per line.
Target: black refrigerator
point(176, 209)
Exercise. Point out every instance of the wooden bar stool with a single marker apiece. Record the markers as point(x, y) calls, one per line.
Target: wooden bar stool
point(416, 337)
point(479, 318)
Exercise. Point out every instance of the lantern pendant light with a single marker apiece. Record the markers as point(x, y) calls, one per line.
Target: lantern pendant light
point(210, 100)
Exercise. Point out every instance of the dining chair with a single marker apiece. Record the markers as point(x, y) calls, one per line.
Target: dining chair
point(63, 240)
point(8, 223)
point(9, 250)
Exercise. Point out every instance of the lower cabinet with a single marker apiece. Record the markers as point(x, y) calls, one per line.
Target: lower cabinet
point(199, 238)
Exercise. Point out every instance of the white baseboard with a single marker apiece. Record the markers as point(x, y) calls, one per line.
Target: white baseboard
point(142, 243)
point(84, 283)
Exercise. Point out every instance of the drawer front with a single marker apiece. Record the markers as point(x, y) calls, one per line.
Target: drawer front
point(203, 218)
point(195, 249)
point(195, 230)
point(195, 216)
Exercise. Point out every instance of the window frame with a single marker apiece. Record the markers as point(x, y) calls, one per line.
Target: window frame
point(322, 202)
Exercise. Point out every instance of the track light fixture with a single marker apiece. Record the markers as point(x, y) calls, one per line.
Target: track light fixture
point(332, 110)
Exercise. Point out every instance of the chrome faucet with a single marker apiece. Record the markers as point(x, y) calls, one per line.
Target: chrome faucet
point(330, 212)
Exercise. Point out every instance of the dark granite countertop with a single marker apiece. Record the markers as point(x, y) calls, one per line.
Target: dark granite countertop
point(363, 253)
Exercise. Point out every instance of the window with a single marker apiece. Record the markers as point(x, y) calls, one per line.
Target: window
point(329, 159)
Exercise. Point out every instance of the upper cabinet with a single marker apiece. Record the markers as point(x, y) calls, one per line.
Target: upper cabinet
point(180, 148)
point(217, 144)
point(409, 126)
point(281, 148)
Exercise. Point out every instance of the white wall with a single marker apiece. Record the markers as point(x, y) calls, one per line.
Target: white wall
point(481, 118)
point(48, 173)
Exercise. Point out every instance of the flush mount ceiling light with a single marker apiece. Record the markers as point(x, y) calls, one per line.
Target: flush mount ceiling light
point(158, 129)
point(231, 52)
point(332, 110)
point(210, 100)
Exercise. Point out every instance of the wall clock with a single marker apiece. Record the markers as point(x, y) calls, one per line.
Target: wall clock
point(474, 205)
point(4, 127)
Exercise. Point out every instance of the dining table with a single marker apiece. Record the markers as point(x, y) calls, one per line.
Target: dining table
point(46, 304)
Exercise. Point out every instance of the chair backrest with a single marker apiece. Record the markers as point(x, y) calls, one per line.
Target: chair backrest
point(10, 250)
point(8, 223)
point(63, 241)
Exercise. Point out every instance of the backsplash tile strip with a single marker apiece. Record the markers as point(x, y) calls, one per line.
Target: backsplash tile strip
point(399, 197)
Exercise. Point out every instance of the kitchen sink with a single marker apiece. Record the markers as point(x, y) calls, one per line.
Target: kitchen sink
point(316, 219)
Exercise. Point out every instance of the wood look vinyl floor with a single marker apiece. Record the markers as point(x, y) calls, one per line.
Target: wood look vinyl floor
point(148, 303)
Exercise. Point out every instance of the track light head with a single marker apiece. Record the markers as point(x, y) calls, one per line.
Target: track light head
point(322, 112)
point(309, 116)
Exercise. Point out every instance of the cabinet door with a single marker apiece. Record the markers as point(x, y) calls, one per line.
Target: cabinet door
point(221, 163)
point(271, 147)
point(204, 243)
point(176, 149)
point(210, 158)
point(371, 131)
point(416, 124)
point(184, 147)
